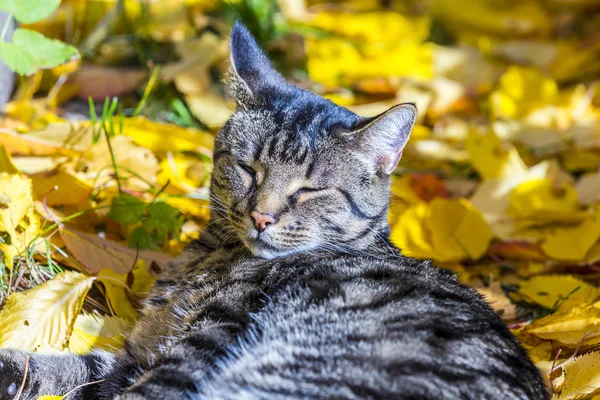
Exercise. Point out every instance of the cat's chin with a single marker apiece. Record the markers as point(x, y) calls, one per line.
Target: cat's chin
point(264, 250)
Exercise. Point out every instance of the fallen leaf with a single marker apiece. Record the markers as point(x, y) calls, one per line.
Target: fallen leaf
point(98, 82)
point(569, 325)
point(162, 138)
point(582, 377)
point(573, 243)
point(445, 230)
point(94, 332)
point(96, 253)
point(492, 158)
point(61, 186)
point(18, 223)
point(562, 291)
point(496, 298)
point(42, 318)
point(133, 161)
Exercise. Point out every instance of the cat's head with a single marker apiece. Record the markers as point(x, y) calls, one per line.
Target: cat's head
point(294, 172)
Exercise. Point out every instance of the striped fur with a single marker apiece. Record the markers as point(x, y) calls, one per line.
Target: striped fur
point(318, 305)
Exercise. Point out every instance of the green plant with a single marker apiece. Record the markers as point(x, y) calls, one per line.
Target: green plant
point(30, 50)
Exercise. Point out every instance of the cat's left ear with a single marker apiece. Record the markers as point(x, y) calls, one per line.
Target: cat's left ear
point(382, 138)
point(251, 72)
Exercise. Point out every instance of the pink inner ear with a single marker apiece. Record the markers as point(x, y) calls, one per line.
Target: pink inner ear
point(391, 160)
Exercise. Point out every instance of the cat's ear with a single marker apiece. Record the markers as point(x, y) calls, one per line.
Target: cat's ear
point(251, 72)
point(383, 137)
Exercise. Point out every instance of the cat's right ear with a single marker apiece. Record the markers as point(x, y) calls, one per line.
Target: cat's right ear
point(251, 72)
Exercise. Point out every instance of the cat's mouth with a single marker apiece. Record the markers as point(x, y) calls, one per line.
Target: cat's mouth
point(262, 249)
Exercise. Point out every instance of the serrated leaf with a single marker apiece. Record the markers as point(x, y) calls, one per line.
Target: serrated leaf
point(29, 11)
point(126, 209)
point(140, 239)
point(582, 377)
point(558, 290)
point(30, 51)
point(43, 317)
point(569, 325)
point(163, 218)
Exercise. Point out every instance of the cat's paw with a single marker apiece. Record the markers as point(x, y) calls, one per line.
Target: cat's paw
point(12, 368)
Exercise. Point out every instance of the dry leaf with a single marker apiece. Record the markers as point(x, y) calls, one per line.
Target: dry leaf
point(582, 377)
point(42, 318)
point(445, 230)
point(96, 253)
point(18, 222)
point(94, 332)
point(553, 291)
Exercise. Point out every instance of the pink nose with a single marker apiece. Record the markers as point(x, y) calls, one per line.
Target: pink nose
point(261, 221)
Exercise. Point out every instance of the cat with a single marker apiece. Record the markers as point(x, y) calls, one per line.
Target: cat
point(294, 290)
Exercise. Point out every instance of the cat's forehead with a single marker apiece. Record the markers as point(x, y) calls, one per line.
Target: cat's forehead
point(289, 126)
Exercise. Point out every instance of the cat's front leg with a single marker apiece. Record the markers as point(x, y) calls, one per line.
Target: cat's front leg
point(12, 368)
point(50, 374)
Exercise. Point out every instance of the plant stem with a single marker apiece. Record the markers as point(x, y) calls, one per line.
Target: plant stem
point(7, 24)
point(112, 158)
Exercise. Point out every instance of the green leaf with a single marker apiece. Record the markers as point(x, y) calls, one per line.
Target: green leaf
point(163, 218)
point(126, 209)
point(29, 11)
point(30, 51)
point(140, 239)
point(17, 59)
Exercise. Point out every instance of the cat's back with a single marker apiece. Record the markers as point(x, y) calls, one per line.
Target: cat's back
point(373, 327)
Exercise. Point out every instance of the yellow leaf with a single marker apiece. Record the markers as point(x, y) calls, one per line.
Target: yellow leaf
point(30, 144)
point(410, 234)
point(210, 108)
point(492, 158)
point(558, 290)
point(582, 377)
point(18, 222)
point(503, 18)
point(541, 198)
point(184, 172)
point(70, 188)
point(118, 294)
point(6, 161)
point(573, 243)
point(161, 138)
point(496, 298)
point(42, 318)
point(187, 205)
point(458, 230)
point(569, 325)
point(331, 60)
point(96, 332)
point(444, 230)
point(521, 91)
point(50, 397)
point(143, 279)
point(373, 26)
point(135, 162)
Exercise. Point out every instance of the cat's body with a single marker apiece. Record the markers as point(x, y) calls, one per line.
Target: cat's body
point(294, 291)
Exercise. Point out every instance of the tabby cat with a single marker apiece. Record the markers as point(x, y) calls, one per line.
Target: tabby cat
point(294, 290)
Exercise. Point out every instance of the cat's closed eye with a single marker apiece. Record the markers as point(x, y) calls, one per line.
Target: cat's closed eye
point(304, 194)
point(247, 169)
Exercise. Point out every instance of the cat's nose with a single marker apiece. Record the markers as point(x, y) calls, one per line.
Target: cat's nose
point(261, 221)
